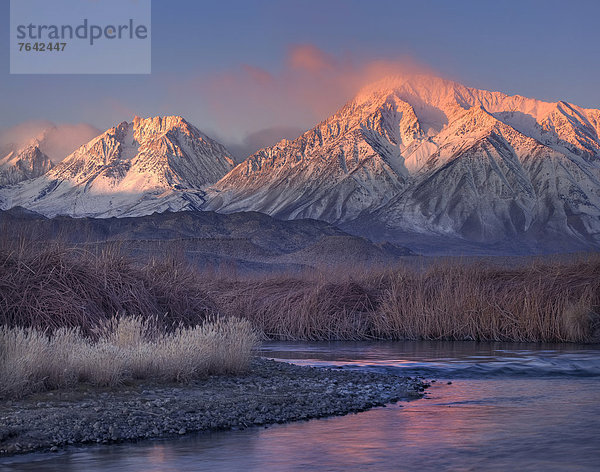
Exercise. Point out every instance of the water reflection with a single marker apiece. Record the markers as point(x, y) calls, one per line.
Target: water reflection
point(546, 421)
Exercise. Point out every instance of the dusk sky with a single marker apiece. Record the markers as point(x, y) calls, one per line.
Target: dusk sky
point(234, 68)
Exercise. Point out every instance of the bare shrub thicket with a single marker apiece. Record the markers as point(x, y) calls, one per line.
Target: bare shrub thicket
point(54, 286)
point(540, 301)
point(50, 287)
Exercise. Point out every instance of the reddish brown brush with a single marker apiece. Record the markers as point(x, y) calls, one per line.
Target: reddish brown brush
point(539, 301)
point(55, 286)
point(536, 300)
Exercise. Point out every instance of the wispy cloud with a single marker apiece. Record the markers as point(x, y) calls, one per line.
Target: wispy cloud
point(252, 142)
point(248, 107)
point(308, 86)
point(57, 141)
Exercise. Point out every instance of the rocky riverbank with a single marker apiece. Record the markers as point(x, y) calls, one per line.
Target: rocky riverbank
point(270, 392)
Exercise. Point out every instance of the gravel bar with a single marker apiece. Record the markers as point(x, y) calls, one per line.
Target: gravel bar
point(270, 392)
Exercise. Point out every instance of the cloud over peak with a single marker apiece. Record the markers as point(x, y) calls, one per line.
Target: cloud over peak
point(308, 85)
point(57, 141)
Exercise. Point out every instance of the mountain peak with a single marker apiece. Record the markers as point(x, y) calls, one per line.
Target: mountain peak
point(413, 153)
point(419, 153)
point(23, 164)
point(433, 91)
point(416, 83)
point(133, 168)
point(160, 123)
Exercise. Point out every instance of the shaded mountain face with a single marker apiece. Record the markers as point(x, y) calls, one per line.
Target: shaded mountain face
point(23, 164)
point(425, 155)
point(136, 168)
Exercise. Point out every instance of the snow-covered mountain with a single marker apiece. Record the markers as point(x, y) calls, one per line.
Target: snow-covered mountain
point(408, 155)
point(343, 166)
point(146, 166)
point(23, 164)
point(427, 155)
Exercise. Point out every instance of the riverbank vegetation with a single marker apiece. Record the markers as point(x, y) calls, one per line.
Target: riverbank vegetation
point(451, 300)
point(51, 286)
point(122, 351)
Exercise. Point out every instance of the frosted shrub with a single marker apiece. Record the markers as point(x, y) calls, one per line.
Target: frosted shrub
point(127, 349)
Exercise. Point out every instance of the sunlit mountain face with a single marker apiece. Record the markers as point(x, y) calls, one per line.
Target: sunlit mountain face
point(137, 168)
point(22, 164)
point(409, 154)
point(427, 155)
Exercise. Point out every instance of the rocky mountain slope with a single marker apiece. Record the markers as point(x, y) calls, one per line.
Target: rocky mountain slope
point(414, 157)
point(429, 156)
point(23, 164)
point(148, 165)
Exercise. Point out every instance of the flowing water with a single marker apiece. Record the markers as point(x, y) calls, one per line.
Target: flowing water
point(508, 407)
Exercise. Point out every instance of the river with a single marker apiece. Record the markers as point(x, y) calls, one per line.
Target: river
point(492, 407)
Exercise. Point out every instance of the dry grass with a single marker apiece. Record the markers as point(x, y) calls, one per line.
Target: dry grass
point(527, 300)
point(540, 301)
point(126, 349)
